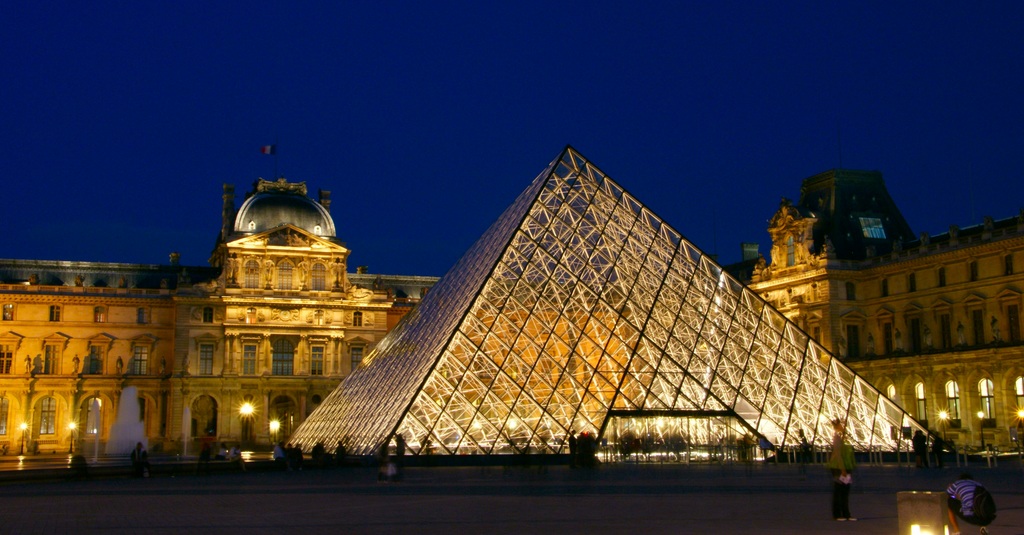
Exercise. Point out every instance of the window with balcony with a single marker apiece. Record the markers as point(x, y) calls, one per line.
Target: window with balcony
point(284, 275)
point(47, 416)
point(318, 277)
point(252, 274)
point(283, 357)
point(316, 360)
point(205, 359)
point(249, 359)
point(140, 360)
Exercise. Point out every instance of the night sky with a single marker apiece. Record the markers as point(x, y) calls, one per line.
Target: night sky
point(120, 122)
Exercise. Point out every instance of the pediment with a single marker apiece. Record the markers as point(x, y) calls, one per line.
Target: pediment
point(287, 236)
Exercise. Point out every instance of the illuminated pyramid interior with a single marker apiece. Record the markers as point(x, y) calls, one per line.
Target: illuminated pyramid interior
point(580, 309)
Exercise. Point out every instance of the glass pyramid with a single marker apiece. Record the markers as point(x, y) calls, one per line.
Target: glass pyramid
point(581, 310)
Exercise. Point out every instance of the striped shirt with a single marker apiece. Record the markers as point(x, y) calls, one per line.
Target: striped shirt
point(963, 490)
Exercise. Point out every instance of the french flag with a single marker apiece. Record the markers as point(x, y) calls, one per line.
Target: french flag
point(268, 149)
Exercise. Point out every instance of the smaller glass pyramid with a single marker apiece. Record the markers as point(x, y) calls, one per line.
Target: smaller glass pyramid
point(581, 310)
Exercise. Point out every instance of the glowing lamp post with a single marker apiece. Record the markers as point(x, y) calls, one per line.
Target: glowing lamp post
point(23, 427)
point(72, 428)
point(275, 426)
point(981, 428)
point(245, 412)
point(1020, 431)
point(943, 417)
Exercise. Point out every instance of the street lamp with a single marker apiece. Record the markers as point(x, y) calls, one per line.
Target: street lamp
point(245, 412)
point(72, 427)
point(981, 428)
point(1020, 431)
point(943, 416)
point(23, 427)
point(275, 426)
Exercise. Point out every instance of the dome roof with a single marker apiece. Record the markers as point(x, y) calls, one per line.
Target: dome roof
point(281, 203)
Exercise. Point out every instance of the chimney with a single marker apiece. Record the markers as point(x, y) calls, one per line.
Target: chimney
point(228, 212)
point(325, 199)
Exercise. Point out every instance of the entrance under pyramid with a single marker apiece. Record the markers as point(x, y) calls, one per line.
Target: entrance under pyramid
point(579, 310)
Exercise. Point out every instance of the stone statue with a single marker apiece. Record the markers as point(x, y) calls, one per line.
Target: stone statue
point(120, 365)
point(842, 346)
point(899, 340)
point(961, 340)
point(75, 362)
point(927, 337)
point(79, 281)
point(996, 337)
point(871, 344)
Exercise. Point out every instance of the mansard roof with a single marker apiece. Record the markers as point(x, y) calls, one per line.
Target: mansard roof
point(854, 211)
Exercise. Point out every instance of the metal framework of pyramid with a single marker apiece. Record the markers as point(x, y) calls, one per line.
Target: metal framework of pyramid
point(580, 310)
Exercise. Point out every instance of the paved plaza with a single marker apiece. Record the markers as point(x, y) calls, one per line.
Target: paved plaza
point(620, 498)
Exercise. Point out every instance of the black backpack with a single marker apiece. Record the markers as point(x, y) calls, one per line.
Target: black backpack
point(984, 505)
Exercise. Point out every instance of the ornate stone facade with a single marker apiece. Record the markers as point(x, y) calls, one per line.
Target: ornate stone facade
point(932, 320)
point(241, 351)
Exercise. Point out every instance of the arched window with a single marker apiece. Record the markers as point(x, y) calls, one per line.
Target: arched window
point(953, 401)
point(47, 416)
point(1018, 387)
point(357, 319)
point(987, 398)
point(284, 275)
point(890, 392)
point(252, 274)
point(4, 409)
point(318, 277)
point(922, 403)
point(92, 422)
point(283, 357)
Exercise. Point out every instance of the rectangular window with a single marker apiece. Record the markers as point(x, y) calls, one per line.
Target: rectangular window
point(885, 287)
point(979, 327)
point(47, 416)
point(915, 335)
point(945, 331)
point(1013, 319)
point(8, 312)
point(872, 227)
point(94, 362)
point(851, 291)
point(6, 359)
point(249, 359)
point(357, 357)
point(316, 361)
point(853, 340)
point(208, 315)
point(887, 337)
point(942, 277)
point(99, 314)
point(318, 278)
point(912, 282)
point(4, 409)
point(141, 315)
point(54, 312)
point(1008, 264)
point(51, 356)
point(205, 359)
point(973, 268)
point(140, 360)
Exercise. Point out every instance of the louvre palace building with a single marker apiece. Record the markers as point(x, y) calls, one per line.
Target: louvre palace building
point(932, 320)
point(579, 311)
point(240, 351)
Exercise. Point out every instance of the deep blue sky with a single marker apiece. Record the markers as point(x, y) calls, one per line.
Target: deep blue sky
point(120, 122)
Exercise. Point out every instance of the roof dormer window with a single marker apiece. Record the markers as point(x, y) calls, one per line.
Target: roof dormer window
point(317, 230)
point(252, 225)
point(872, 227)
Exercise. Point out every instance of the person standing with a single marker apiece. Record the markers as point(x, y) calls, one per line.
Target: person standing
point(937, 446)
point(841, 463)
point(920, 443)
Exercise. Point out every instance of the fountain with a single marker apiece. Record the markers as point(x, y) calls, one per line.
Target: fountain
point(128, 428)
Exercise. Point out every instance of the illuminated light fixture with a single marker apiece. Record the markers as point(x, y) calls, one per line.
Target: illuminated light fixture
point(246, 409)
point(23, 426)
point(275, 426)
point(72, 426)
